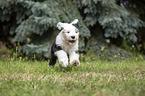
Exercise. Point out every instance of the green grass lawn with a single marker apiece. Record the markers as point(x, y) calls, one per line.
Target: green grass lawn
point(96, 78)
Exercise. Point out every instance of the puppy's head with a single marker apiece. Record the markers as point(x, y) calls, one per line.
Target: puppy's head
point(70, 32)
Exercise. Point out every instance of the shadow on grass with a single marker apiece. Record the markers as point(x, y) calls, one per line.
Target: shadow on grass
point(62, 69)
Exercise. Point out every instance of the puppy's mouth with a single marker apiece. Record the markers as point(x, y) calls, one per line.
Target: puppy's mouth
point(72, 41)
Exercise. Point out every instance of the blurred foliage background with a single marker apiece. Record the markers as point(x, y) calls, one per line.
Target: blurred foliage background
point(108, 28)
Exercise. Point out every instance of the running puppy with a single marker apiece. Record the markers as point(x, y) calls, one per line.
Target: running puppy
point(66, 45)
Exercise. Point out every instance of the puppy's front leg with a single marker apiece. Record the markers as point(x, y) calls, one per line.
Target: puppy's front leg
point(74, 58)
point(62, 58)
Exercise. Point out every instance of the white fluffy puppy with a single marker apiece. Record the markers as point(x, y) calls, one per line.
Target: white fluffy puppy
point(66, 45)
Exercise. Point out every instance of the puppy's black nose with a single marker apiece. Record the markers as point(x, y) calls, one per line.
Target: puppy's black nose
point(73, 37)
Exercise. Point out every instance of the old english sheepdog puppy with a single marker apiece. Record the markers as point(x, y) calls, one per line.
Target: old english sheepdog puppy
point(66, 45)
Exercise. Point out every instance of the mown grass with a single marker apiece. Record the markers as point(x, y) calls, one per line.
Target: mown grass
point(97, 78)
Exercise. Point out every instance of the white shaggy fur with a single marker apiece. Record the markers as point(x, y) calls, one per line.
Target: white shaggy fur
point(67, 39)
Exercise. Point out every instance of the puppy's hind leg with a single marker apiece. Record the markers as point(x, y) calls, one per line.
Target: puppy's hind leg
point(52, 61)
point(53, 58)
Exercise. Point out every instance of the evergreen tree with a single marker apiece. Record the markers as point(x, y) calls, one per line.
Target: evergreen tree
point(116, 19)
point(37, 31)
point(33, 22)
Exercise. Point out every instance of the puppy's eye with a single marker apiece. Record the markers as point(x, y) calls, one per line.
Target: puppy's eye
point(77, 31)
point(68, 32)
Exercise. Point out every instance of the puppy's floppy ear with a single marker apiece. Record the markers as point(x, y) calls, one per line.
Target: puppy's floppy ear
point(75, 23)
point(60, 25)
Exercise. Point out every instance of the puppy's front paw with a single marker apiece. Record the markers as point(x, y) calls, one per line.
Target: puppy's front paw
point(75, 63)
